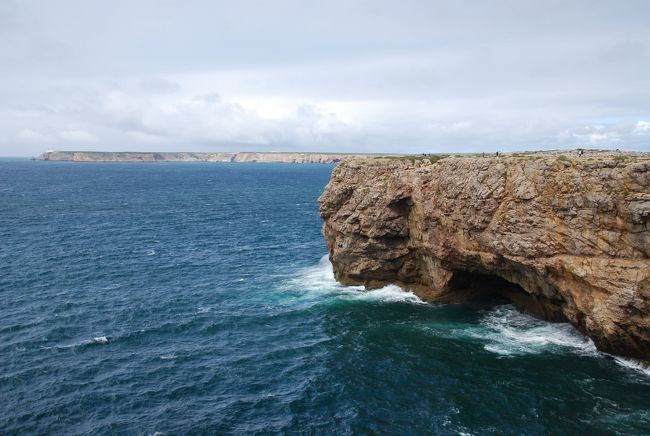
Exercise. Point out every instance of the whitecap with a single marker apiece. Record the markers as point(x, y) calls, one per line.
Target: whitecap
point(111, 287)
point(151, 253)
point(168, 357)
point(202, 309)
point(319, 280)
point(508, 332)
point(388, 294)
point(504, 329)
point(85, 342)
point(633, 364)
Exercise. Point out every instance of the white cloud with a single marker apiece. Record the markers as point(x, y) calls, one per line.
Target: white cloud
point(157, 85)
point(643, 126)
point(408, 76)
point(77, 136)
point(32, 136)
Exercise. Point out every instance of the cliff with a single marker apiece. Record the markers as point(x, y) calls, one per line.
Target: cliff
point(565, 239)
point(104, 156)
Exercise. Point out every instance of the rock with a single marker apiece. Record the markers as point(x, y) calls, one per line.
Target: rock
point(565, 240)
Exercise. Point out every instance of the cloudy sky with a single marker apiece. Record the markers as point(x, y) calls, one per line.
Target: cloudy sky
point(353, 76)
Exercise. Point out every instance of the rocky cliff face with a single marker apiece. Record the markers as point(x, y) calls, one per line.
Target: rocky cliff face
point(566, 239)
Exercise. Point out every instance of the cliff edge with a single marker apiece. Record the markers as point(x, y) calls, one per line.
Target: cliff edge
point(565, 239)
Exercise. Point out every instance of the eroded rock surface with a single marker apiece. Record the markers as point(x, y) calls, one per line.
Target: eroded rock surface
point(566, 239)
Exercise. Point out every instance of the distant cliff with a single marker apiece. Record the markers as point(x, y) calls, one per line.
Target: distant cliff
point(564, 238)
point(101, 156)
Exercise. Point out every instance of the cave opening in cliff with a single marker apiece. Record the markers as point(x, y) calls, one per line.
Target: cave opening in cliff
point(489, 289)
point(402, 205)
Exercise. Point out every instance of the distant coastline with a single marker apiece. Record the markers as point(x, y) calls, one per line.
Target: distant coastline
point(269, 157)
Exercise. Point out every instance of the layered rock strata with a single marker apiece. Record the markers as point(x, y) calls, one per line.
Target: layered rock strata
point(566, 239)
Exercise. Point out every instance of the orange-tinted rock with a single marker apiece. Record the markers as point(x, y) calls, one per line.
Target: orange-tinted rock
point(565, 239)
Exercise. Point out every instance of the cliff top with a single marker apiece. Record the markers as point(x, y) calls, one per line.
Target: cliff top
point(567, 156)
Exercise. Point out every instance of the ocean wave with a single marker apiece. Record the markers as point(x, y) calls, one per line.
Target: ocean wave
point(505, 330)
point(387, 294)
point(97, 340)
point(319, 280)
point(633, 365)
point(509, 332)
point(168, 357)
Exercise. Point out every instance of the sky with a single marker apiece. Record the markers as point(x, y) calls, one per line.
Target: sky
point(333, 76)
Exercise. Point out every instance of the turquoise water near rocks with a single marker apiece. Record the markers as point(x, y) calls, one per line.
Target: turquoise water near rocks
point(197, 299)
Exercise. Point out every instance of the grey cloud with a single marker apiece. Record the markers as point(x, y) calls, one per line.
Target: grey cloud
point(368, 76)
point(159, 86)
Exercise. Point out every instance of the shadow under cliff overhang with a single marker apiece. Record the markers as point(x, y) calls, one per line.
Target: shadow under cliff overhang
point(481, 288)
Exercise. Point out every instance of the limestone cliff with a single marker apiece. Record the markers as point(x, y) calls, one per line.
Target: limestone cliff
point(268, 157)
point(566, 239)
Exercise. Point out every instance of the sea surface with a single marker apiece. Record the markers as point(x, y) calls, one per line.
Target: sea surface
point(198, 299)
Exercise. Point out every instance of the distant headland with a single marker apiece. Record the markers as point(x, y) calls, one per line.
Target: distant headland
point(110, 156)
point(307, 157)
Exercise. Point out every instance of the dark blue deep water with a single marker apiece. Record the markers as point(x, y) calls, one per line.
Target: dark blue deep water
point(194, 298)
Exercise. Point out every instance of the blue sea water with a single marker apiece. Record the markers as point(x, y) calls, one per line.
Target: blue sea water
point(197, 299)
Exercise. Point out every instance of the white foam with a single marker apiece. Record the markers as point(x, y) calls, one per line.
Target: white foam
point(388, 294)
point(111, 287)
point(151, 253)
point(168, 357)
point(319, 280)
point(505, 330)
point(202, 309)
point(510, 332)
point(100, 340)
point(633, 364)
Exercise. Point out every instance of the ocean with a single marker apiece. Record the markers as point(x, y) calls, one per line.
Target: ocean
point(196, 298)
